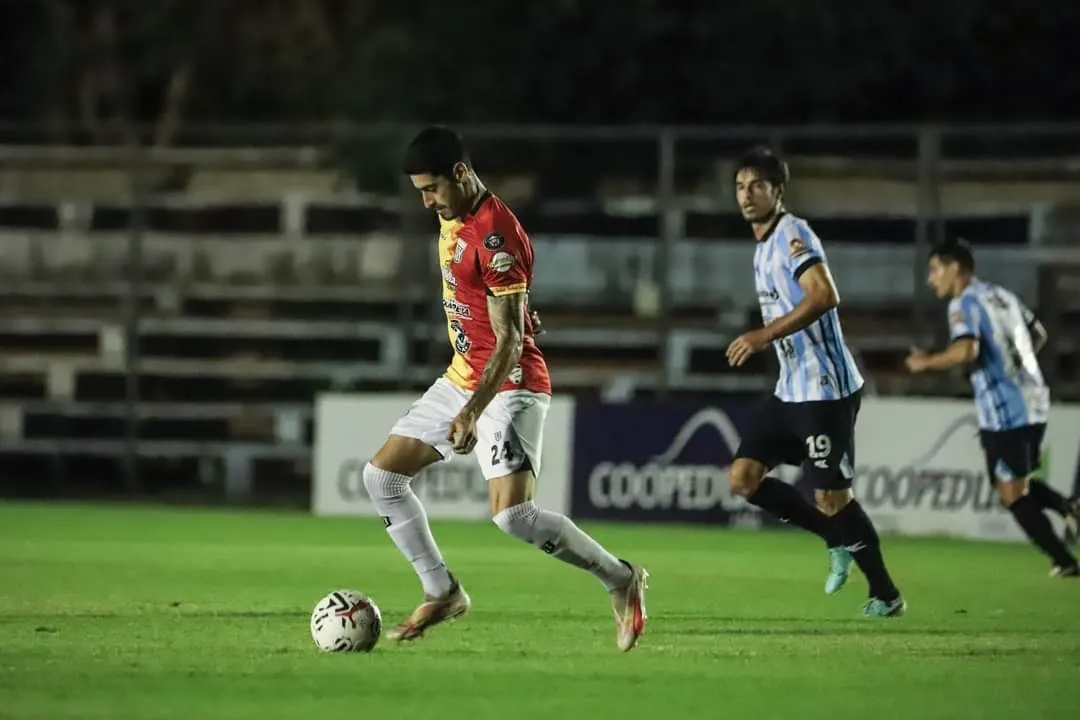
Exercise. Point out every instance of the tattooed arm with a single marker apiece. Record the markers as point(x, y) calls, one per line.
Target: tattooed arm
point(507, 313)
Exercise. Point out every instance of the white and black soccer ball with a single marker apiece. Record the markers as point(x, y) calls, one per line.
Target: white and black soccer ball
point(346, 621)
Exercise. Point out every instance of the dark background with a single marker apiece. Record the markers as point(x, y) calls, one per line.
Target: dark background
point(73, 69)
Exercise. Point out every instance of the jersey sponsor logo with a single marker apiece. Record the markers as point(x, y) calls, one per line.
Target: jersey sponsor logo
point(462, 343)
point(448, 276)
point(797, 248)
point(494, 241)
point(501, 262)
point(459, 250)
point(456, 308)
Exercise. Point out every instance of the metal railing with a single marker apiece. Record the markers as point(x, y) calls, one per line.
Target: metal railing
point(663, 172)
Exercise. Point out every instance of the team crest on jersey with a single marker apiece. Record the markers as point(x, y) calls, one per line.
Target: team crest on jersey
point(516, 375)
point(501, 262)
point(457, 309)
point(459, 250)
point(797, 248)
point(494, 241)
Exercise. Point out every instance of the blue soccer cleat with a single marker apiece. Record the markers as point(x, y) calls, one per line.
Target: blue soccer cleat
point(840, 569)
point(876, 607)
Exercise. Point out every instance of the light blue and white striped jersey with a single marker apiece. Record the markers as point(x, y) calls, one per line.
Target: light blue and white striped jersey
point(1009, 388)
point(815, 363)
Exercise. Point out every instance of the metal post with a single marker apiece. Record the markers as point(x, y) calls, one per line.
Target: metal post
point(669, 236)
point(406, 280)
point(132, 311)
point(928, 214)
point(937, 215)
point(419, 276)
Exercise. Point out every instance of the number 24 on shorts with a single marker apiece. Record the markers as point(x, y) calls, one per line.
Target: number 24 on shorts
point(818, 448)
point(501, 453)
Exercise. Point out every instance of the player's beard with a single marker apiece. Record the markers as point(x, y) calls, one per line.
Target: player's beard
point(766, 217)
point(455, 207)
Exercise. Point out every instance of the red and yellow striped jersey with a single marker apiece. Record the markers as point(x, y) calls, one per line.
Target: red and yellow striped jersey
point(486, 253)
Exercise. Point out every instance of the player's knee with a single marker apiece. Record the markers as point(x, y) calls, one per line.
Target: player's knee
point(745, 477)
point(381, 483)
point(405, 455)
point(831, 502)
point(1011, 490)
point(509, 490)
point(518, 520)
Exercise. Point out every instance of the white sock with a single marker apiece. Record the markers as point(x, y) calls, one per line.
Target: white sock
point(407, 524)
point(557, 535)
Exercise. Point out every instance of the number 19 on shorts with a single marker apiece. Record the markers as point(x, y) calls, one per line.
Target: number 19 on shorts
point(818, 448)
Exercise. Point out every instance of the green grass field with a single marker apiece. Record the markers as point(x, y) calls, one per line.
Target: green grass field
point(144, 613)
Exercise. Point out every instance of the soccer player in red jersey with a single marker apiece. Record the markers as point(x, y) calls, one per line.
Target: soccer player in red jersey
point(493, 399)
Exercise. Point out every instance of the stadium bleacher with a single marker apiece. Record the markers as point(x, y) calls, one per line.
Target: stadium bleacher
point(252, 297)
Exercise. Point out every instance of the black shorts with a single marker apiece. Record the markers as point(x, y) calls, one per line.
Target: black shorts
point(819, 436)
point(1012, 454)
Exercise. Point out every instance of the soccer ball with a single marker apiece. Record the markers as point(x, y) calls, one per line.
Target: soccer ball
point(346, 621)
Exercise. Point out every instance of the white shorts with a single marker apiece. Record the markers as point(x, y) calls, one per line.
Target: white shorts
point(510, 432)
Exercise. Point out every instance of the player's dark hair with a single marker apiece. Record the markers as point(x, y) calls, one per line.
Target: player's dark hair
point(434, 151)
point(766, 164)
point(957, 251)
